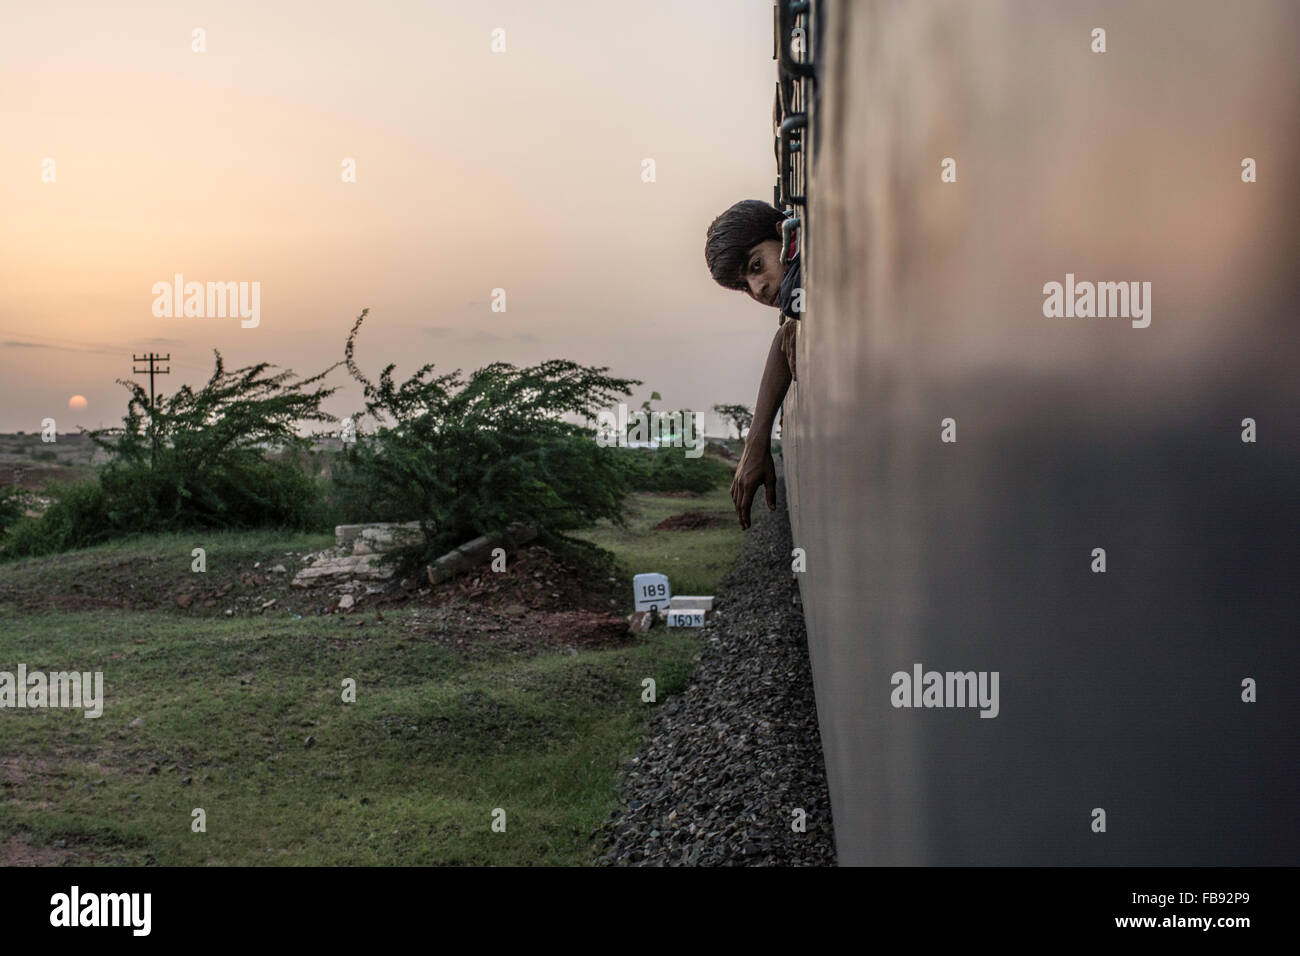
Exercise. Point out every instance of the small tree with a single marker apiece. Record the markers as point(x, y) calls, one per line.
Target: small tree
point(667, 426)
point(471, 456)
point(199, 458)
point(646, 410)
point(740, 417)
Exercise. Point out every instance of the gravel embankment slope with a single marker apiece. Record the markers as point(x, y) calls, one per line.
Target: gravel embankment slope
point(730, 759)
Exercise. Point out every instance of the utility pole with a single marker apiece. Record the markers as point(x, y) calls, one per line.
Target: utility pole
point(151, 358)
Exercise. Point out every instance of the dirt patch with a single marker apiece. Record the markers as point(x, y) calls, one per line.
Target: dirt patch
point(689, 521)
point(474, 631)
point(16, 770)
point(18, 852)
point(141, 584)
point(190, 595)
point(78, 602)
point(534, 580)
point(580, 629)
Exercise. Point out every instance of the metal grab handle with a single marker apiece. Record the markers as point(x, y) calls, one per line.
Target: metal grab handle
point(788, 229)
point(788, 11)
point(795, 121)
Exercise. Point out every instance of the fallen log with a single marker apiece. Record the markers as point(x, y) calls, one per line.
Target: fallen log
point(474, 553)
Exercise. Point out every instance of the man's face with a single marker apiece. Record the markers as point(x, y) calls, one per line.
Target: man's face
point(763, 272)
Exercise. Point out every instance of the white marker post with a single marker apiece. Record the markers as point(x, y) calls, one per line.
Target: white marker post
point(693, 602)
point(685, 617)
point(651, 591)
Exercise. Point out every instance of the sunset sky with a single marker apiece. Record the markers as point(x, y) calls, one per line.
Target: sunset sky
point(475, 170)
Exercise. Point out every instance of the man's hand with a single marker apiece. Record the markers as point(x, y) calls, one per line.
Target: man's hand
point(756, 465)
point(756, 469)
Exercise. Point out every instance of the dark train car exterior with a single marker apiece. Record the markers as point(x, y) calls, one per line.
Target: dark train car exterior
point(1050, 536)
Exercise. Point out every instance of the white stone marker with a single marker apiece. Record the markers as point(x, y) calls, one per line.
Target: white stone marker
point(692, 602)
point(685, 617)
point(651, 591)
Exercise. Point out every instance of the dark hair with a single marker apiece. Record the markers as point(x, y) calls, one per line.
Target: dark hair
point(734, 233)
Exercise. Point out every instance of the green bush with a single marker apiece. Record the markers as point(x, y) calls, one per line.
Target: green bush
point(77, 517)
point(668, 469)
point(238, 489)
point(12, 506)
point(471, 456)
point(205, 463)
point(196, 460)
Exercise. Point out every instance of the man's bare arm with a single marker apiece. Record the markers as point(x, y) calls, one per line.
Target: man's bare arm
point(756, 465)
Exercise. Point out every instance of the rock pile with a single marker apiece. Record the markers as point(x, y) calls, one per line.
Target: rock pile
point(355, 555)
point(351, 570)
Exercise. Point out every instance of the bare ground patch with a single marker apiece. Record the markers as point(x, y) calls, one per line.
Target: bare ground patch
point(471, 631)
point(690, 520)
point(15, 771)
point(16, 851)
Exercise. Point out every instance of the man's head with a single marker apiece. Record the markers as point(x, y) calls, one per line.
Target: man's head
point(743, 250)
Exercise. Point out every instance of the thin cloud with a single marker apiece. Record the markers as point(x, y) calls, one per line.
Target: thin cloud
point(479, 336)
point(58, 348)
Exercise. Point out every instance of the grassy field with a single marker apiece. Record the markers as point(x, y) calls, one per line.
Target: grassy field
point(243, 715)
point(694, 561)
